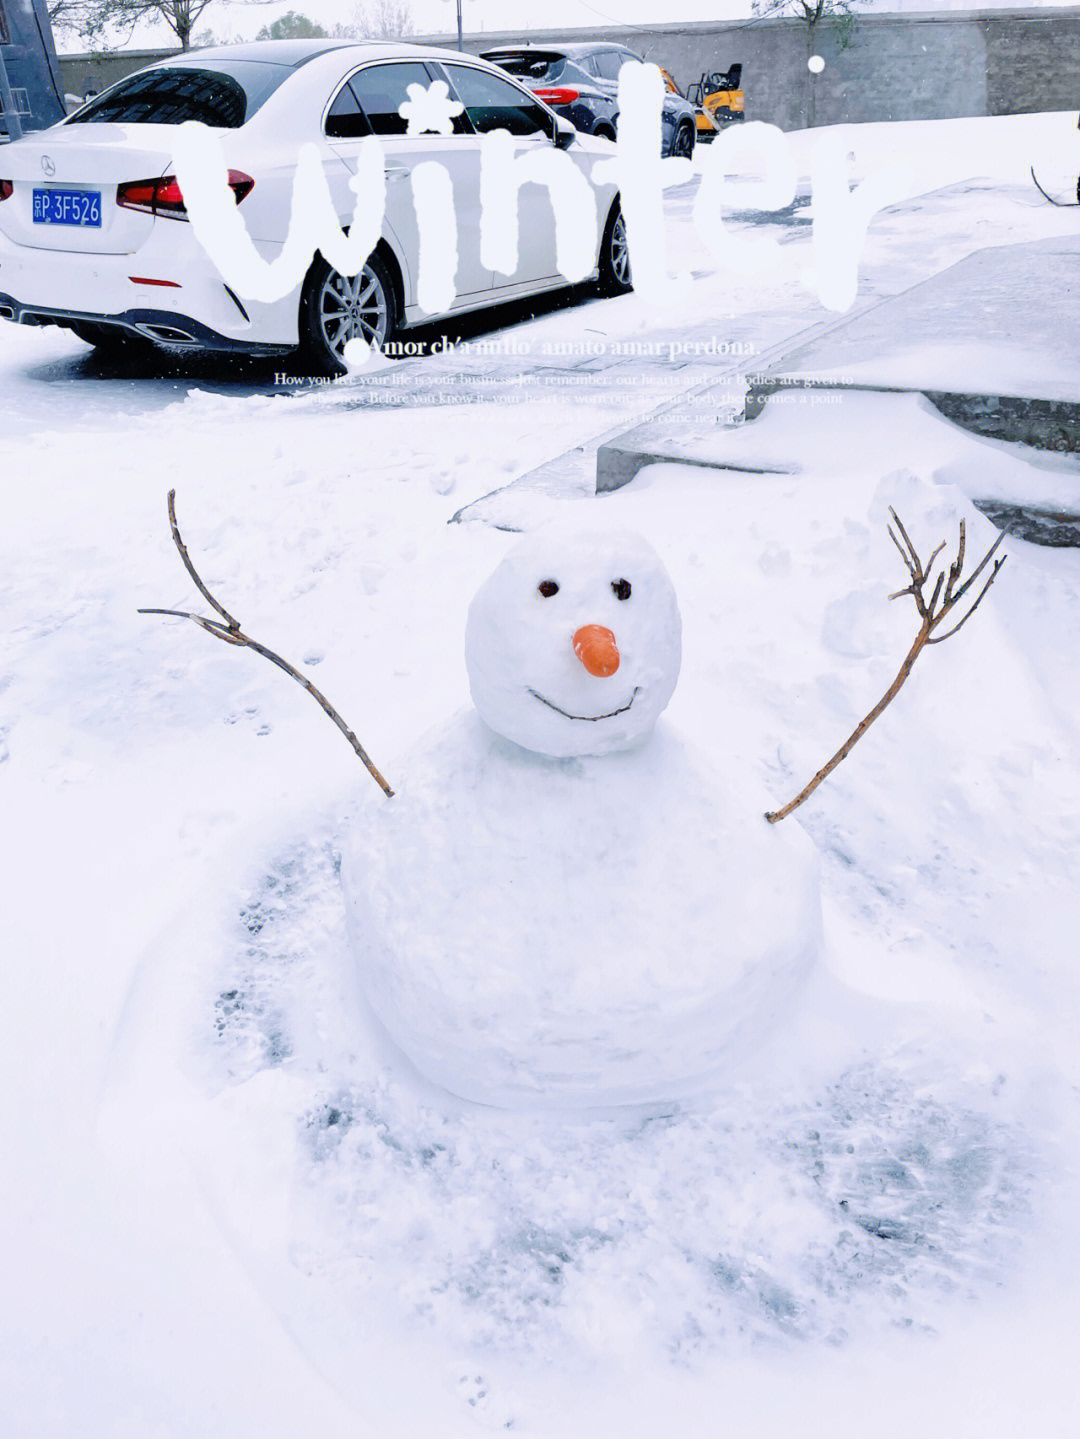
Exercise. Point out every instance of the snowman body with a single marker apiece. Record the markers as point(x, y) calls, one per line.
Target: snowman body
point(563, 905)
point(575, 931)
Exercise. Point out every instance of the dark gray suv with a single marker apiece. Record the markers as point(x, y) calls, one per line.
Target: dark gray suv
point(581, 82)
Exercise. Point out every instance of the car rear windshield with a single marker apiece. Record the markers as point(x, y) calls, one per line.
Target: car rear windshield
point(528, 64)
point(223, 94)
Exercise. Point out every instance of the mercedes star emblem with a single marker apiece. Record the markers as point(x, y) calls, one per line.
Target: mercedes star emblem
point(47, 165)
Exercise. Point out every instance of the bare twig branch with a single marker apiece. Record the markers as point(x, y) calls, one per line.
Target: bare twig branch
point(232, 634)
point(933, 557)
point(931, 612)
point(918, 569)
point(215, 627)
point(960, 625)
point(903, 553)
point(956, 569)
point(977, 571)
point(937, 592)
point(179, 542)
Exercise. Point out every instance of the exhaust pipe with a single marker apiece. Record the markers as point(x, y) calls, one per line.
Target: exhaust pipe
point(167, 335)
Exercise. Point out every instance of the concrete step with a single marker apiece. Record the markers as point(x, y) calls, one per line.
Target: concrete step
point(992, 343)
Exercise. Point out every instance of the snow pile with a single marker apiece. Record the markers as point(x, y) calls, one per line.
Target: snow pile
point(966, 151)
point(668, 1237)
point(797, 428)
point(886, 1193)
point(511, 1255)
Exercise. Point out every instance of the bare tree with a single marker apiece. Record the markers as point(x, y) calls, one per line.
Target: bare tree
point(813, 12)
point(379, 20)
point(946, 595)
point(86, 19)
point(840, 15)
point(109, 24)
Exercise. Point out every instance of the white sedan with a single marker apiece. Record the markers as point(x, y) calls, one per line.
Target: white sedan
point(89, 209)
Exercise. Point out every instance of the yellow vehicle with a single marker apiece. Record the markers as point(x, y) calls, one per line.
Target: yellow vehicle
point(717, 99)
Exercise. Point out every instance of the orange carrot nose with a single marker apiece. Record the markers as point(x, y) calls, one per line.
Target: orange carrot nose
point(595, 647)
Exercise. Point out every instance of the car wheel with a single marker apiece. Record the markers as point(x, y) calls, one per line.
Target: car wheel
point(335, 309)
point(683, 144)
point(109, 337)
point(615, 278)
point(603, 133)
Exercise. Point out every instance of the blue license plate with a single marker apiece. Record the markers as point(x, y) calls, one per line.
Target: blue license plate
point(68, 207)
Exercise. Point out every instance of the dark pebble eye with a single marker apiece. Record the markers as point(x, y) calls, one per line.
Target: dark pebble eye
point(548, 588)
point(621, 588)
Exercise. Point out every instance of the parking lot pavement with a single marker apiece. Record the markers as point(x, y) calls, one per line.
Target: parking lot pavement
point(616, 354)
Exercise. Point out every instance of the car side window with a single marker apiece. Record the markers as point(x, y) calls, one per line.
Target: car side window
point(378, 91)
point(610, 62)
point(494, 104)
point(345, 120)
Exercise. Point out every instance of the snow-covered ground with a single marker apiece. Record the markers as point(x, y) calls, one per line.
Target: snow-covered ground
point(232, 1209)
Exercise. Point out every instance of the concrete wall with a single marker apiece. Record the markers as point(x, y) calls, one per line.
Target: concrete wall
point(898, 67)
point(83, 73)
point(1033, 67)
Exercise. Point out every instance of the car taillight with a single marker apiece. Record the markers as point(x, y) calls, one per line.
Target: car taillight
point(150, 196)
point(240, 184)
point(7, 189)
point(163, 196)
point(557, 94)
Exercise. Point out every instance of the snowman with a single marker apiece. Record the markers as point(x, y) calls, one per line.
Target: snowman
point(564, 906)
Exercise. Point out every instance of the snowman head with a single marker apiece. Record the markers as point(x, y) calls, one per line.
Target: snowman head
point(573, 645)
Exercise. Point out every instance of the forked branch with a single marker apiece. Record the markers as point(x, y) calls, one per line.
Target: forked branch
point(228, 629)
point(946, 594)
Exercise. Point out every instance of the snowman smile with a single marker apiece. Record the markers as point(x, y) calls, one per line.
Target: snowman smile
point(610, 714)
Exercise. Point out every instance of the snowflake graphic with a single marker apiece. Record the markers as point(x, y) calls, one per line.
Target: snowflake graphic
point(430, 111)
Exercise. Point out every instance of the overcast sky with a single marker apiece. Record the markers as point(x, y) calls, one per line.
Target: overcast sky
point(235, 19)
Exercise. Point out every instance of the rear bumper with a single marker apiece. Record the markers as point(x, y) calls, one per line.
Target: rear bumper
point(162, 327)
point(39, 286)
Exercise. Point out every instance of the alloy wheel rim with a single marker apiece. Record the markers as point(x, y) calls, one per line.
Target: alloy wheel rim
point(620, 252)
point(351, 308)
point(683, 145)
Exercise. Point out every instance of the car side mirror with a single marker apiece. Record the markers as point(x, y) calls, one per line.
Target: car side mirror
point(565, 133)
